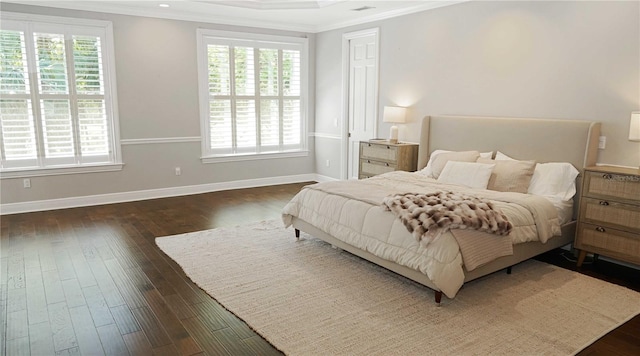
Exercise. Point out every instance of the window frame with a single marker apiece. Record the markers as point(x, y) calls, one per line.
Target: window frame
point(30, 23)
point(208, 36)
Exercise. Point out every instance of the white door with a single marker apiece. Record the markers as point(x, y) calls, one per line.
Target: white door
point(362, 93)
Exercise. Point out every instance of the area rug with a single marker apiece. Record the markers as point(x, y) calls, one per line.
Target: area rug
point(307, 298)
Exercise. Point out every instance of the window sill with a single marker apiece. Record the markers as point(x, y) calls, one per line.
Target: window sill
point(54, 171)
point(253, 156)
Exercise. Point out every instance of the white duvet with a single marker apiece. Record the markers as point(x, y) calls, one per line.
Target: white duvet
point(351, 211)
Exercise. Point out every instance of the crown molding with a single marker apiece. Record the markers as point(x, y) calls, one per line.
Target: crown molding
point(427, 5)
point(122, 9)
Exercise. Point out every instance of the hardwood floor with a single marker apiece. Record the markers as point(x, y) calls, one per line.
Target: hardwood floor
point(92, 281)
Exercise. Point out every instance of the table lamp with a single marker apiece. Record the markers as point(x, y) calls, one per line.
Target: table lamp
point(634, 127)
point(394, 114)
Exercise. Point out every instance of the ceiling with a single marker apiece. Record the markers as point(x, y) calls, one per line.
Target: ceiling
point(296, 15)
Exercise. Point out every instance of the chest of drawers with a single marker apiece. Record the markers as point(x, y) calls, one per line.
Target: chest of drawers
point(381, 157)
point(609, 218)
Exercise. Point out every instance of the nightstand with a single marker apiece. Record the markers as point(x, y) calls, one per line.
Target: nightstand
point(377, 157)
point(609, 218)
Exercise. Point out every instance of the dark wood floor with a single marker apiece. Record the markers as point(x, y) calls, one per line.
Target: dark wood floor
point(92, 281)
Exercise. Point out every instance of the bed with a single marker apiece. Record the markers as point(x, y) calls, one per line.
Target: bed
point(351, 215)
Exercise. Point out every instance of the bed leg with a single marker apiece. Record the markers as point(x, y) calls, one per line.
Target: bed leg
point(297, 234)
point(438, 295)
point(509, 269)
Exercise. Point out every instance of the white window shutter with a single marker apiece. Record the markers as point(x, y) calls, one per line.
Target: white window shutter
point(64, 116)
point(255, 95)
point(16, 120)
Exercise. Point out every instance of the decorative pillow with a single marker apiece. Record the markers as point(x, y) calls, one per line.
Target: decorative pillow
point(428, 169)
point(554, 179)
point(510, 175)
point(470, 174)
point(441, 160)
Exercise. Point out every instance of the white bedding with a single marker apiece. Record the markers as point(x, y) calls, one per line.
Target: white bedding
point(351, 211)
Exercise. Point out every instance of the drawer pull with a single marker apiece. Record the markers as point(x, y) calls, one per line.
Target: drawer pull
point(600, 229)
point(368, 161)
point(386, 164)
point(607, 176)
point(603, 202)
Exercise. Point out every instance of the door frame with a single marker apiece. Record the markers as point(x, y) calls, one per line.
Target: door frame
point(346, 39)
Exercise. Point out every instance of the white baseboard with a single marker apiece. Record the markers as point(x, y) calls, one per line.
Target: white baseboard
point(321, 178)
point(101, 199)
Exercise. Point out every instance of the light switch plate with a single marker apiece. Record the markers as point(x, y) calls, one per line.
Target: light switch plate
point(602, 142)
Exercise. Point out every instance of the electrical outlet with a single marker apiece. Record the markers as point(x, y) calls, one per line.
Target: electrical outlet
point(328, 163)
point(178, 171)
point(602, 142)
point(26, 183)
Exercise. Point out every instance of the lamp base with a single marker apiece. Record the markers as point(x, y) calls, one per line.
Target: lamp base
point(393, 134)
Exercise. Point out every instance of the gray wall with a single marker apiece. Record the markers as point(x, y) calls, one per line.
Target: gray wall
point(157, 89)
point(562, 60)
point(565, 60)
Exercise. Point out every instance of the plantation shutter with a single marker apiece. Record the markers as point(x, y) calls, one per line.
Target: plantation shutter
point(291, 83)
point(18, 130)
point(269, 88)
point(54, 110)
point(55, 106)
point(220, 125)
point(93, 125)
point(255, 97)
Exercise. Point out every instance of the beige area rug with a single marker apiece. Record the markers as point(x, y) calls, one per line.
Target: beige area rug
point(307, 298)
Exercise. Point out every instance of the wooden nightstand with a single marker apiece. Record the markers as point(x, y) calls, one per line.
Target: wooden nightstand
point(609, 219)
point(377, 157)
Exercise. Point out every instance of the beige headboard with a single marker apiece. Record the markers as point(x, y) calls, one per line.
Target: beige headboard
point(543, 140)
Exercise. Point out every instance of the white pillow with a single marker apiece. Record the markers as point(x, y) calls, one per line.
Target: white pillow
point(470, 174)
point(554, 179)
point(428, 170)
point(441, 160)
point(503, 157)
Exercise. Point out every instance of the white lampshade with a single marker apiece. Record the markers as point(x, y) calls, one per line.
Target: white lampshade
point(394, 114)
point(634, 126)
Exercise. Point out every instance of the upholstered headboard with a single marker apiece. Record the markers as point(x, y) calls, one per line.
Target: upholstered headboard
point(543, 140)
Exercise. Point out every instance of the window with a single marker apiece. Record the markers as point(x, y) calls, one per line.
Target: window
point(253, 95)
point(57, 108)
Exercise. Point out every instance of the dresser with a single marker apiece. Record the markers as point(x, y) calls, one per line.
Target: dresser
point(609, 218)
point(377, 157)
